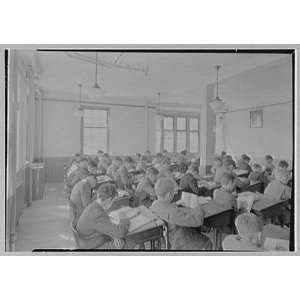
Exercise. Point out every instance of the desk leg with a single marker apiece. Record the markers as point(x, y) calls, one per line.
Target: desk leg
point(152, 244)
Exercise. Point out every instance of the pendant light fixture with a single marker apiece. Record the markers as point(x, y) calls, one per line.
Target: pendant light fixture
point(80, 112)
point(96, 85)
point(218, 105)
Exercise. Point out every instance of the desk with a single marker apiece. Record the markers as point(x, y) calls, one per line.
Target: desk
point(217, 217)
point(153, 231)
point(269, 207)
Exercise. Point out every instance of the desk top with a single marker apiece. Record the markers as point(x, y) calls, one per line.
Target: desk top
point(265, 202)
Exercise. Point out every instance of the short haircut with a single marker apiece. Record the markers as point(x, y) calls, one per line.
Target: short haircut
point(159, 154)
point(227, 157)
point(228, 163)
point(194, 168)
point(256, 166)
point(152, 170)
point(283, 164)
point(100, 152)
point(84, 159)
point(118, 158)
point(268, 157)
point(248, 225)
point(223, 153)
point(218, 158)
point(77, 155)
point(128, 160)
point(255, 176)
point(92, 164)
point(164, 186)
point(188, 238)
point(227, 178)
point(245, 157)
point(183, 152)
point(282, 175)
point(107, 190)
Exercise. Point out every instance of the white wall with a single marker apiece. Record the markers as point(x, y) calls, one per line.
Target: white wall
point(265, 85)
point(274, 138)
point(127, 129)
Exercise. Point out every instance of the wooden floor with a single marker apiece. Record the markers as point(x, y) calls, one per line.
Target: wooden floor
point(44, 225)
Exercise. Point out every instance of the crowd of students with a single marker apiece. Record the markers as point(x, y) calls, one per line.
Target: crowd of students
point(164, 176)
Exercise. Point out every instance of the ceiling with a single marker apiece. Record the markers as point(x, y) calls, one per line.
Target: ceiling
point(177, 76)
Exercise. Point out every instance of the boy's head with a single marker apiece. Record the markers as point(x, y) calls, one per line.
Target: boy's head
point(92, 180)
point(223, 153)
point(117, 161)
point(255, 177)
point(227, 182)
point(129, 162)
point(77, 157)
point(92, 167)
point(148, 152)
point(269, 159)
point(283, 164)
point(165, 189)
point(183, 152)
point(228, 164)
point(249, 226)
point(165, 152)
point(106, 194)
point(100, 153)
point(193, 169)
point(245, 158)
point(83, 163)
point(282, 175)
point(257, 168)
point(166, 162)
point(152, 174)
point(217, 161)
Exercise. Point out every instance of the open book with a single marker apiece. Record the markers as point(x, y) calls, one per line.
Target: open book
point(103, 178)
point(137, 219)
point(192, 200)
point(272, 244)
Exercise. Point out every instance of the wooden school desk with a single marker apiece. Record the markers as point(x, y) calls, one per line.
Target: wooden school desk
point(151, 232)
point(217, 218)
point(269, 207)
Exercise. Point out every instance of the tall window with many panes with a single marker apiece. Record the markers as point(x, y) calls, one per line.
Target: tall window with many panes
point(94, 131)
point(176, 133)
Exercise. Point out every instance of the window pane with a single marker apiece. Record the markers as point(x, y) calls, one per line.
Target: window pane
point(181, 141)
point(169, 141)
point(194, 142)
point(168, 123)
point(194, 124)
point(95, 118)
point(181, 123)
point(94, 139)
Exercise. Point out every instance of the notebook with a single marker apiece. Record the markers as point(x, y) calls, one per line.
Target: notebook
point(272, 244)
point(192, 200)
point(137, 219)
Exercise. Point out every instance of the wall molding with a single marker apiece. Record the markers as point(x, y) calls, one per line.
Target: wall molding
point(259, 106)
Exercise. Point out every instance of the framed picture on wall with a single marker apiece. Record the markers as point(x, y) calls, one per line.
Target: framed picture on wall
point(256, 119)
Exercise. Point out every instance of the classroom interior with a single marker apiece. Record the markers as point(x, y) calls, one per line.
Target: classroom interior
point(190, 106)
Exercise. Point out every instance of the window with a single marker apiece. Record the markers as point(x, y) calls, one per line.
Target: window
point(178, 133)
point(95, 131)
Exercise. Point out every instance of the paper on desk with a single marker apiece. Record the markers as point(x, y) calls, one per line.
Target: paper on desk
point(192, 200)
point(272, 244)
point(135, 215)
point(122, 193)
point(239, 172)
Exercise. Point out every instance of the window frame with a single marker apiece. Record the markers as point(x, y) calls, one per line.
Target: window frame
point(174, 116)
point(82, 108)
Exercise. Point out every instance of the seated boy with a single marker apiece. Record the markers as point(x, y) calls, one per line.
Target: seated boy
point(224, 195)
point(217, 163)
point(157, 160)
point(187, 238)
point(92, 167)
point(257, 176)
point(189, 184)
point(113, 168)
point(123, 178)
point(165, 168)
point(269, 166)
point(81, 196)
point(142, 164)
point(94, 226)
point(104, 163)
point(145, 193)
point(278, 188)
point(78, 174)
point(252, 234)
point(243, 163)
point(165, 189)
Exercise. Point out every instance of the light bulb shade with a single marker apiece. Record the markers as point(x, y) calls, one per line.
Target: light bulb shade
point(218, 106)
